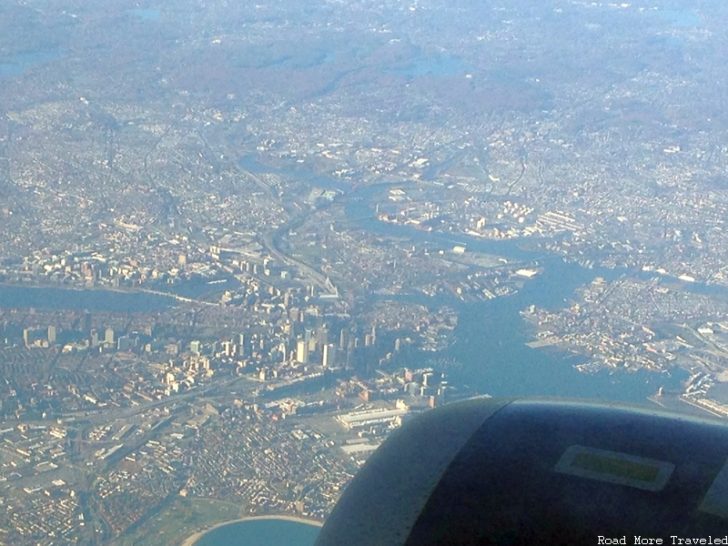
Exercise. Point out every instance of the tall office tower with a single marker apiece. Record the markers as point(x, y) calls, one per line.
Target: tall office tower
point(243, 345)
point(109, 336)
point(343, 339)
point(195, 346)
point(310, 339)
point(302, 351)
point(124, 343)
point(94, 335)
point(282, 350)
point(228, 348)
point(328, 359)
point(322, 336)
point(26, 336)
point(51, 335)
point(86, 324)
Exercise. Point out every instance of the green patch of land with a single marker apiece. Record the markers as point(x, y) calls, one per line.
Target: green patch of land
point(180, 520)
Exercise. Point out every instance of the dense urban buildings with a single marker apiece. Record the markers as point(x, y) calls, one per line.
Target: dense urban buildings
point(240, 242)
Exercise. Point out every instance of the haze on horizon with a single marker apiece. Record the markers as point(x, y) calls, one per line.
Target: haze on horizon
point(228, 228)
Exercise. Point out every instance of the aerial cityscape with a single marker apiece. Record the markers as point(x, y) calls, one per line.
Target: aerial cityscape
point(242, 242)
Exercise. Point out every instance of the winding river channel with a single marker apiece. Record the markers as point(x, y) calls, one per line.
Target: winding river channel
point(491, 337)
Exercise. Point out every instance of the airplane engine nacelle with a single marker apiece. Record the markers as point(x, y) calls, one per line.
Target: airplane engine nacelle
point(533, 472)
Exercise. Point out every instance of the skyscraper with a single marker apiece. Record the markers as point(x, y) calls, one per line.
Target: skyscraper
point(328, 359)
point(243, 345)
point(86, 325)
point(302, 351)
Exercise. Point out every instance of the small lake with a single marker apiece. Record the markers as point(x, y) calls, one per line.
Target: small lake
point(685, 17)
point(145, 14)
point(434, 65)
point(21, 62)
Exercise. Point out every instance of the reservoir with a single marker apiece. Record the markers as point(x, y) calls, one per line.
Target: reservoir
point(20, 62)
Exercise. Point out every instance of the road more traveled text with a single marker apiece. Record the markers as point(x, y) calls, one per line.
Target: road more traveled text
point(672, 539)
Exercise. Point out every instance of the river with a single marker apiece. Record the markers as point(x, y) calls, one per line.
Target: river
point(490, 343)
point(19, 296)
point(491, 336)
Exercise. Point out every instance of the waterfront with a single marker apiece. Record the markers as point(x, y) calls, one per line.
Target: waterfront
point(247, 243)
point(258, 531)
point(491, 345)
point(51, 297)
point(491, 336)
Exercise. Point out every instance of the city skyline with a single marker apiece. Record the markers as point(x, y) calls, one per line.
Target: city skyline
point(242, 242)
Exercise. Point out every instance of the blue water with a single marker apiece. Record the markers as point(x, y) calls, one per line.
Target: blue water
point(250, 163)
point(436, 65)
point(20, 62)
point(145, 14)
point(680, 17)
point(262, 532)
point(491, 336)
point(92, 300)
point(491, 343)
